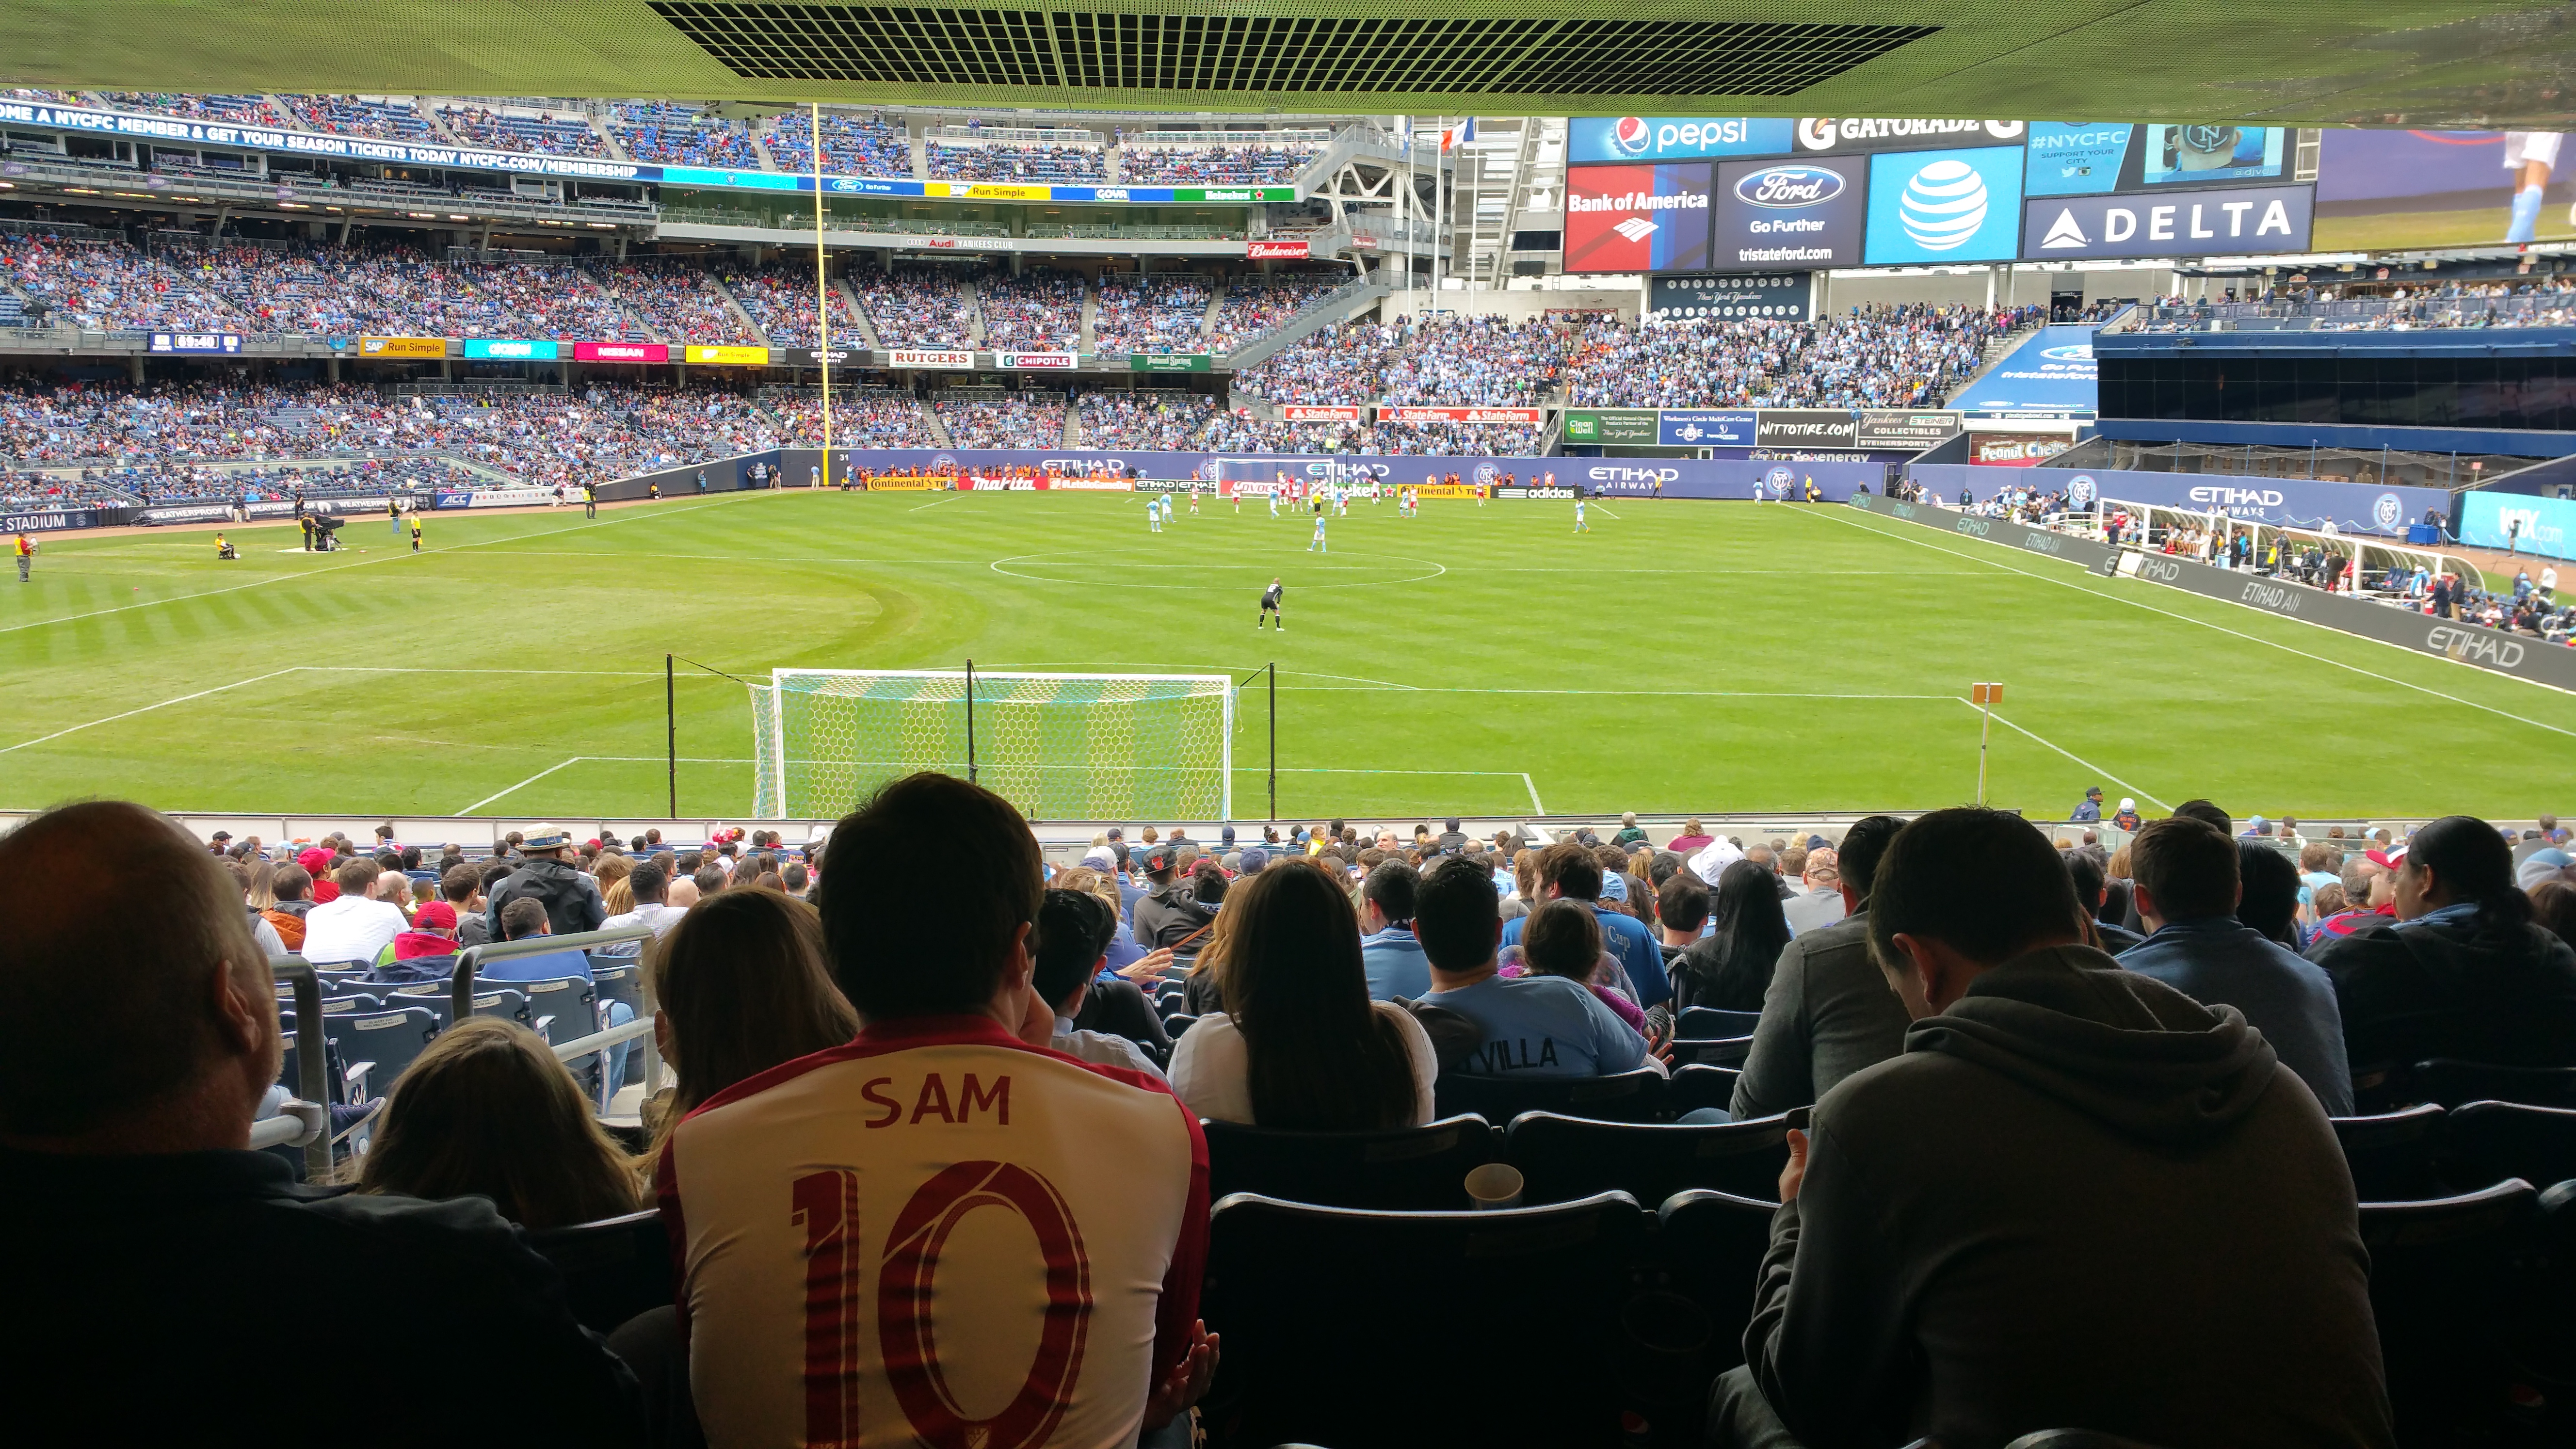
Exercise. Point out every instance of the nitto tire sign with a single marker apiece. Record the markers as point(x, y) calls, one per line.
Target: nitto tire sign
point(1808, 428)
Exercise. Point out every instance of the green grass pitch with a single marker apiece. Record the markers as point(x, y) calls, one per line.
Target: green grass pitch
point(1682, 656)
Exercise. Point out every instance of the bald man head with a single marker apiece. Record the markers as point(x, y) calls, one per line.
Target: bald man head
point(125, 1029)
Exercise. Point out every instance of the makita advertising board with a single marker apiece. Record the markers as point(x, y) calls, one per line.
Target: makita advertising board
point(2293, 502)
point(2491, 649)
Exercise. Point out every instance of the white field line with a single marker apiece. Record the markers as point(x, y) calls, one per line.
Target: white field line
point(515, 789)
point(2138, 790)
point(326, 669)
point(1535, 807)
point(951, 498)
point(2249, 638)
point(623, 516)
point(1610, 693)
point(1604, 512)
point(145, 709)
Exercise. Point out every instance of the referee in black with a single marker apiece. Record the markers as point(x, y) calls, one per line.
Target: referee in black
point(1270, 608)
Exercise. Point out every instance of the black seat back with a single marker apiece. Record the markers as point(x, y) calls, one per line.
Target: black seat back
point(1698, 1085)
point(1722, 1051)
point(390, 1039)
point(1710, 1246)
point(612, 1269)
point(1715, 1021)
point(1564, 1158)
point(1408, 1169)
point(2454, 1082)
point(1627, 1097)
point(2393, 1156)
point(1368, 1330)
point(2439, 1271)
point(2491, 1141)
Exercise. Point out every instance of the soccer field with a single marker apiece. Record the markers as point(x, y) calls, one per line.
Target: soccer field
point(1682, 656)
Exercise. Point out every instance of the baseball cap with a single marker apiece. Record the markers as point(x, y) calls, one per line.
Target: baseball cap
point(2389, 859)
point(2093, 793)
point(1099, 858)
point(1159, 858)
point(1254, 859)
point(1226, 834)
point(437, 915)
point(221, 835)
point(2128, 804)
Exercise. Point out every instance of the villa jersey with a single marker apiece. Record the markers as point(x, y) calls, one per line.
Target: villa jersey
point(935, 1235)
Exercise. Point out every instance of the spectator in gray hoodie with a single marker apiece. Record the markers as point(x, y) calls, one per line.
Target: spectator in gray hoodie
point(2079, 1197)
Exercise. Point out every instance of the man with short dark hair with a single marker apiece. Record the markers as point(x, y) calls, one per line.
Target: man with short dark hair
point(649, 886)
point(1170, 913)
point(547, 875)
point(135, 1049)
point(1567, 871)
point(1389, 951)
point(355, 926)
point(2186, 883)
point(1452, 839)
point(1527, 1026)
point(811, 1206)
point(1827, 1012)
point(2079, 1197)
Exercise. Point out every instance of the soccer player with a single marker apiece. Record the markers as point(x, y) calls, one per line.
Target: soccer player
point(1757, 490)
point(702, 482)
point(1194, 503)
point(1237, 491)
point(1270, 608)
point(589, 501)
point(1579, 525)
point(1274, 500)
point(1154, 514)
point(415, 533)
point(1317, 544)
point(25, 549)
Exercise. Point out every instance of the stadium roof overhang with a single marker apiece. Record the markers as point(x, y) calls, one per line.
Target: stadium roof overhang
point(2436, 63)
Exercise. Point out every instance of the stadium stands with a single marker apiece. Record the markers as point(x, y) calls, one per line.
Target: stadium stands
point(1245, 165)
point(851, 146)
point(1160, 312)
point(1892, 358)
point(1255, 305)
point(998, 419)
point(861, 418)
point(916, 307)
point(780, 299)
point(1037, 311)
point(2550, 303)
point(1154, 418)
point(520, 128)
point(951, 160)
point(676, 301)
point(676, 135)
point(385, 118)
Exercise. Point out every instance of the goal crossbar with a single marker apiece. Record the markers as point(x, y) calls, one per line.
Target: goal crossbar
point(1059, 745)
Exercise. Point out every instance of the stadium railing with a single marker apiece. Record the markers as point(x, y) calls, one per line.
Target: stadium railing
point(304, 1120)
point(473, 958)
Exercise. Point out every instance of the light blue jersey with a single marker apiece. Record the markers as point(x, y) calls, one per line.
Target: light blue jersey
point(1542, 1026)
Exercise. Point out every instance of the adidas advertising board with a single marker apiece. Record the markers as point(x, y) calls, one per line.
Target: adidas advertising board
point(1636, 218)
point(1789, 213)
point(2169, 224)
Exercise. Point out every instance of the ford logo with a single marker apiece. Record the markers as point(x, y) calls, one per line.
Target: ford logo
point(2077, 352)
point(1789, 186)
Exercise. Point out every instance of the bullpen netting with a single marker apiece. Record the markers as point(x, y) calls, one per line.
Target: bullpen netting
point(1058, 746)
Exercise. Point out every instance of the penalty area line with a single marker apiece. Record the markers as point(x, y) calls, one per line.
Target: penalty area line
point(2138, 790)
point(515, 789)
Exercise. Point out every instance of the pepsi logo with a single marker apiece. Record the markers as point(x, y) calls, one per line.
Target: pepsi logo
point(1789, 186)
point(1632, 135)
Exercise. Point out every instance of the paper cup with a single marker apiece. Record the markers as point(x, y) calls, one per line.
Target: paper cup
point(1494, 1185)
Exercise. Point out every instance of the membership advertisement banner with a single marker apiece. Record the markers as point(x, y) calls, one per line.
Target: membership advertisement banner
point(621, 352)
point(1633, 427)
point(1637, 218)
point(1907, 431)
point(1776, 296)
point(2168, 224)
point(222, 344)
point(511, 349)
point(1036, 361)
point(1459, 415)
point(1706, 428)
point(1806, 428)
point(1258, 249)
point(918, 357)
point(1170, 362)
point(1321, 413)
point(402, 347)
point(1800, 213)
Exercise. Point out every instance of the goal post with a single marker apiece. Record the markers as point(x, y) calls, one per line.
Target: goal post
point(1058, 746)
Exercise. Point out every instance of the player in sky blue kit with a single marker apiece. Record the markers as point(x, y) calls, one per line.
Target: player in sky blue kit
point(1154, 515)
point(1318, 544)
point(1579, 525)
point(1274, 500)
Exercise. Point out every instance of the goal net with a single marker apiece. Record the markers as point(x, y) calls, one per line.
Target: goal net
point(1058, 746)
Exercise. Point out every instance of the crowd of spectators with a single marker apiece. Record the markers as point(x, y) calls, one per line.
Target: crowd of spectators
point(1212, 165)
point(1030, 419)
point(543, 133)
point(1014, 161)
point(246, 110)
point(1889, 357)
point(1249, 310)
point(852, 146)
point(1240, 432)
point(924, 307)
point(1437, 361)
point(1160, 418)
point(111, 286)
point(49, 492)
point(861, 418)
point(2548, 301)
point(665, 134)
point(383, 118)
point(1158, 312)
point(780, 298)
point(675, 300)
point(1039, 310)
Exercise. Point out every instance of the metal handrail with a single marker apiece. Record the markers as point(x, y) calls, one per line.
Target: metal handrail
point(312, 1075)
point(461, 997)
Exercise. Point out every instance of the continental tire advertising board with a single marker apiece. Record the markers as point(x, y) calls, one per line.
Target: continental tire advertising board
point(2490, 649)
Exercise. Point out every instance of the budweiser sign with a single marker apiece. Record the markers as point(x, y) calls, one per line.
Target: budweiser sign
point(1274, 250)
point(1296, 413)
point(955, 361)
point(1458, 415)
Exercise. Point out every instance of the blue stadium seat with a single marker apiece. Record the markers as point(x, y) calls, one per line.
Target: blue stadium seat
point(391, 1040)
point(1173, 1026)
point(2440, 1276)
point(612, 1269)
point(1698, 1085)
point(1723, 1051)
point(1328, 1339)
point(1564, 1158)
point(1710, 1246)
point(2394, 1155)
point(1627, 1097)
point(2491, 1141)
point(620, 980)
point(1406, 1169)
point(1715, 1021)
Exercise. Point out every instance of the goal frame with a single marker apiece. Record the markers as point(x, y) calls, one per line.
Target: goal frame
point(769, 784)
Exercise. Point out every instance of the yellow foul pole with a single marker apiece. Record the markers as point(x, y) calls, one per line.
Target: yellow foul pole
point(822, 288)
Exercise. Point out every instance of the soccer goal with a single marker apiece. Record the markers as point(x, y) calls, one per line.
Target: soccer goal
point(1058, 746)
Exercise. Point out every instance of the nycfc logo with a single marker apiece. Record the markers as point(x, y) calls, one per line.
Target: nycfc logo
point(1779, 477)
point(2077, 352)
point(1487, 472)
point(2079, 490)
point(2387, 510)
point(1632, 135)
point(1789, 186)
point(1943, 206)
point(942, 460)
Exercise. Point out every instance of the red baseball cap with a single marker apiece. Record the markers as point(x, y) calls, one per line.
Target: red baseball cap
point(435, 916)
point(2393, 858)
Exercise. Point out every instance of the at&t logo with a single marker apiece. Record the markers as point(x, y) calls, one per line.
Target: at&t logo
point(1943, 206)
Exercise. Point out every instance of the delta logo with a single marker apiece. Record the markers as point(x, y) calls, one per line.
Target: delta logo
point(1632, 136)
point(1780, 187)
